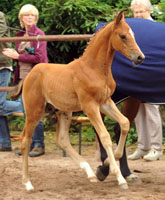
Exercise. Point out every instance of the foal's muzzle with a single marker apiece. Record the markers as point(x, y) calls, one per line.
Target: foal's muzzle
point(138, 60)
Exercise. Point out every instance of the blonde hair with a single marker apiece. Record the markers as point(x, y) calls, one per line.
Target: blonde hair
point(28, 9)
point(146, 3)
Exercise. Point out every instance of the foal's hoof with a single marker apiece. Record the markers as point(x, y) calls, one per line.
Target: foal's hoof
point(29, 186)
point(102, 172)
point(124, 186)
point(100, 175)
point(93, 179)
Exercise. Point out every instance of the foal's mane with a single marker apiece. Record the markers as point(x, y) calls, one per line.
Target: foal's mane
point(95, 35)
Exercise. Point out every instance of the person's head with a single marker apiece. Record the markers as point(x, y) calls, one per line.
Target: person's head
point(28, 15)
point(141, 8)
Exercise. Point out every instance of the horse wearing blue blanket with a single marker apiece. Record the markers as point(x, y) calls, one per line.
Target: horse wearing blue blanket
point(144, 83)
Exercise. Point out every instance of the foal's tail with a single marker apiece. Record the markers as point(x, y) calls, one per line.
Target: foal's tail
point(13, 91)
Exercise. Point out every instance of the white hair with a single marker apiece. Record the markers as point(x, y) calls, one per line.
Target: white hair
point(146, 3)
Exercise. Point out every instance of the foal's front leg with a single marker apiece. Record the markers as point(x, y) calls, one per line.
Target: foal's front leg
point(111, 110)
point(93, 112)
point(62, 133)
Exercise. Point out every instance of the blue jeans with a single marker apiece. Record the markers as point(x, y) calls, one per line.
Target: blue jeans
point(38, 136)
point(8, 107)
point(4, 132)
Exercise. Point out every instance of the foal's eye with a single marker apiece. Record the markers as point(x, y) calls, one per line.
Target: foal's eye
point(122, 37)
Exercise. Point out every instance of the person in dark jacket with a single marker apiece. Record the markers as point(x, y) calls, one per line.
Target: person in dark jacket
point(6, 107)
point(28, 54)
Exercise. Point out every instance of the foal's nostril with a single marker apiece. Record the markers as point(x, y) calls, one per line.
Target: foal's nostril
point(140, 58)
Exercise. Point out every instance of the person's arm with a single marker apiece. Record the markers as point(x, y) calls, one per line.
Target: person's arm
point(39, 52)
point(3, 25)
point(11, 53)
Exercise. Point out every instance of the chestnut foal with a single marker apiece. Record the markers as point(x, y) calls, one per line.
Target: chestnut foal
point(85, 84)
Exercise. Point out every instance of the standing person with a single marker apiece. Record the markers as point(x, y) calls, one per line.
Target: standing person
point(27, 55)
point(148, 121)
point(6, 107)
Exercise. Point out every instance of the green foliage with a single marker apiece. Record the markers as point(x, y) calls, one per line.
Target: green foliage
point(71, 17)
point(6, 5)
point(132, 135)
point(16, 123)
point(110, 124)
point(89, 134)
point(49, 123)
point(161, 9)
point(154, 2)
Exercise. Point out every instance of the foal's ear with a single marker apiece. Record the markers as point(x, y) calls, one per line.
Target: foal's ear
point(119, 18)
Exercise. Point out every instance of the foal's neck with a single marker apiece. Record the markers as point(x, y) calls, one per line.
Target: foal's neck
point(99, 53)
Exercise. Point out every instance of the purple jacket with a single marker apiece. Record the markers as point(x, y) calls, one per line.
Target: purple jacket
point(40, 55)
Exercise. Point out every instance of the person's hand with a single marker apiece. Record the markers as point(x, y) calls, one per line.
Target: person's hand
point(11, 53)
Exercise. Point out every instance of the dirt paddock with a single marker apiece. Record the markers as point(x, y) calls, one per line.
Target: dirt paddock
point(59, 178)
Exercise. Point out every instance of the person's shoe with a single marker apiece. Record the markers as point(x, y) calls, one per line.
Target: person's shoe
point(153, 155)
point(37, 151)
point(137, 154)
point(18, 152)
point(132, 178)
point(5, 148)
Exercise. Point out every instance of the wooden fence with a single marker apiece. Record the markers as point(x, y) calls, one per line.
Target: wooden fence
point(47, 38)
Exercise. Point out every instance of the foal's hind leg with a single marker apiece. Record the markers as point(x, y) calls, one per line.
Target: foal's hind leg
point(64, 120)
point(34, 112)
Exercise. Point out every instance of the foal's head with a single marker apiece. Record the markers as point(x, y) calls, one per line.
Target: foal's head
point(123, 40)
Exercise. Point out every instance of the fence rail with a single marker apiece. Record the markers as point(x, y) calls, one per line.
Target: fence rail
point(47, 38)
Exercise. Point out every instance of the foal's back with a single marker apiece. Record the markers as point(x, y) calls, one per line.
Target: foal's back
point(53, 83)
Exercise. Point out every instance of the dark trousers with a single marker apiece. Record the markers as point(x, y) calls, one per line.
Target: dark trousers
point(4, 132)
point(123, 160)
point(5, 141)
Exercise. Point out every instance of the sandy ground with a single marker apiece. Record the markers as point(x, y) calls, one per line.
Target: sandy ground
point(59, 178)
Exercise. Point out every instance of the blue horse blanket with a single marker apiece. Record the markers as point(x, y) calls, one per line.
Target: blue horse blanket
point(145, 82)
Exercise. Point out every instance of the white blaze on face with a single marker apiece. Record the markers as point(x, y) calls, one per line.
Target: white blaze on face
point(131, 32)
